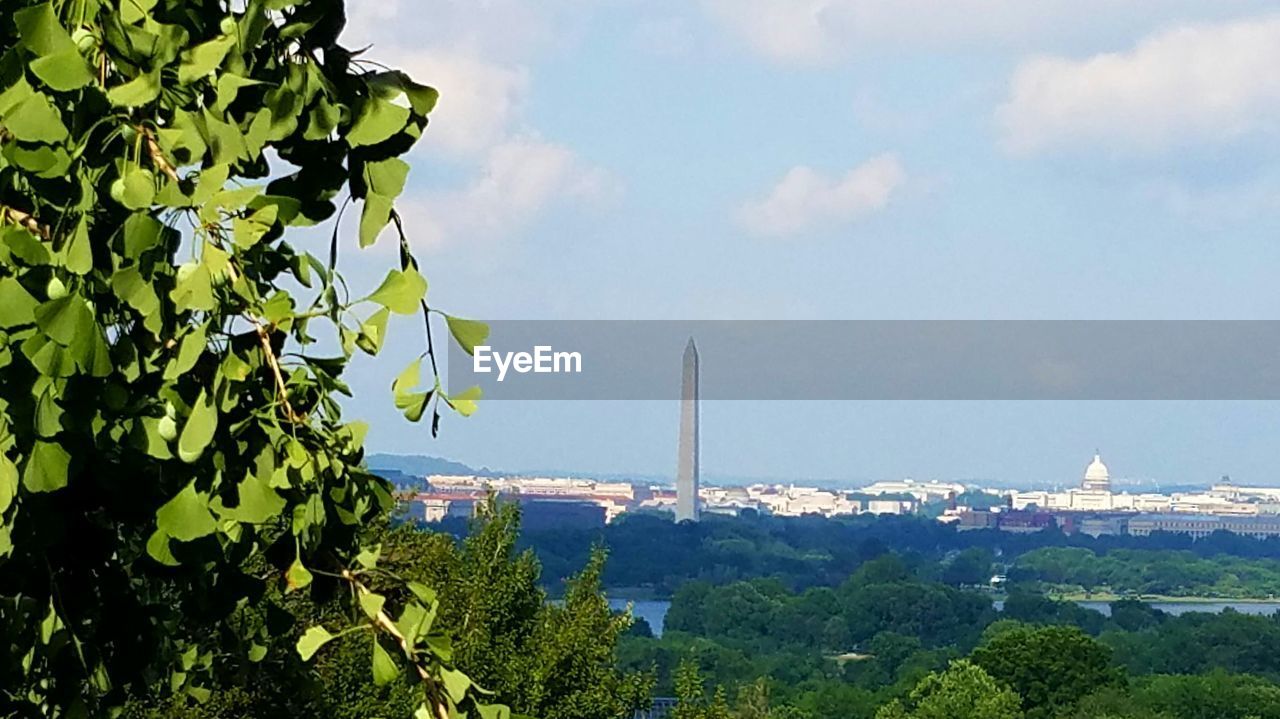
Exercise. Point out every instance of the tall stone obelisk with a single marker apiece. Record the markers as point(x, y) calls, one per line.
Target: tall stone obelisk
point(687, 461)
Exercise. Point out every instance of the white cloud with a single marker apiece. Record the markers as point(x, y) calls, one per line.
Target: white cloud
point(809, 31)
point(1206, 83)
point(806, 199)
point(521, 177)
point(479, 101)
point(477, 55)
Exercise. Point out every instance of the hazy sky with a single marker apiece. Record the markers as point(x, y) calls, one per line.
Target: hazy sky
point(883, 159)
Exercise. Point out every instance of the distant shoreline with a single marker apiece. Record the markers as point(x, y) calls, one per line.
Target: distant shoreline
point(1161, 598)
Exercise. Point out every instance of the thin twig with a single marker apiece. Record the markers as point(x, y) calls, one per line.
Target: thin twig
point(157, 155)
point(388, 625)
point(26, 219)
point(264, 337)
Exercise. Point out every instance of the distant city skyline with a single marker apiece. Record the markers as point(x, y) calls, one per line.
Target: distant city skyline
point(1031, 443)
point(798, 164)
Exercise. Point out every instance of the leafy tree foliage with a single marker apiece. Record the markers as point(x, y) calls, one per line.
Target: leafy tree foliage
point(173, 459)
point(760, 631)
point(543, 659)
point(963, 691)
point(1034, 608)
point(1049, 667)
point(1196, 643)
point(691, 695)
point(1144, 571)
point(971, 566)
point(651, 553)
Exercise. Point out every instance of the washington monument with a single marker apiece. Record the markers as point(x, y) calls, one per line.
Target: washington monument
point(687, 462)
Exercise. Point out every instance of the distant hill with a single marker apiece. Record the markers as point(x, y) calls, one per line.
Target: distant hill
point(421, 465)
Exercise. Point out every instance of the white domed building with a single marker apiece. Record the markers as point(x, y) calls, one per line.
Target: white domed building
point(1096, 476)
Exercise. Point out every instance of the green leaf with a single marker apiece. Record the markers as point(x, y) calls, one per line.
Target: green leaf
point(378, 121)
point(8, 482)
point(198, 431)
point(225, 140)
point(65, 319)
point(386, 177)
point(408, 379)
point(373, 217)
point(297, 576)
point(49, 357)
point(204, 58)
point(46, 469)
point(25, 246)
point(373, 331)
point(421, 97)
point(36, 120)
point(138, 91)
point(258, 501)
point(494, 711)
point(189, 350)
point(132, 11)
point(229, 85)
point(401, 291)
point(194, 288)
point(468, 333)
point(92, 354)
point(129, 285)
point(465, 401)
point(40, 31)
point(63, 71)
point(158, 549)
point(141, 233)
point(48, 414)
point(79, 253)
point(368, 558)
point(312, 640)
point(148, 436)
point(425, 594)
point(247, 231)
point(456, 684)
point(17, 306)
point(385, 670)
point(257, 653)
point(414, 404)
point(186, 517)
point(384, 181)
point(415, 621)
point(139, 189)
point(41, 160)
point(372, 604)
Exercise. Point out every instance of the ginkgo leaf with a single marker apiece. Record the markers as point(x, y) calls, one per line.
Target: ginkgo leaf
point(186, 517)
point(468, 333)
point(199, 429)
point(401, 291)
point(311, 641)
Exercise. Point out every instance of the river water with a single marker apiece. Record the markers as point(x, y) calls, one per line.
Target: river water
point(654, 611)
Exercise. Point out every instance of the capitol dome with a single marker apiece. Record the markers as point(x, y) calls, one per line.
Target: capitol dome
point(1096, 475)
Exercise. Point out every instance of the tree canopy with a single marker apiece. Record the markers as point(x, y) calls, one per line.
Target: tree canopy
point(174, 462)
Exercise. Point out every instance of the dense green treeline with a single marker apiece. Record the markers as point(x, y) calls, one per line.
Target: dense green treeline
point(1144, 571)
point(892, 633)
point(650, 554)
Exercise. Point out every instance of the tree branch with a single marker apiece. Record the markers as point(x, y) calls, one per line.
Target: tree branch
point(25, 219)
point(388, 625)
point(157, 155)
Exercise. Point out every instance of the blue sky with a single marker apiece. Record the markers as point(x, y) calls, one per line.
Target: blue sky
point(772, 159)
